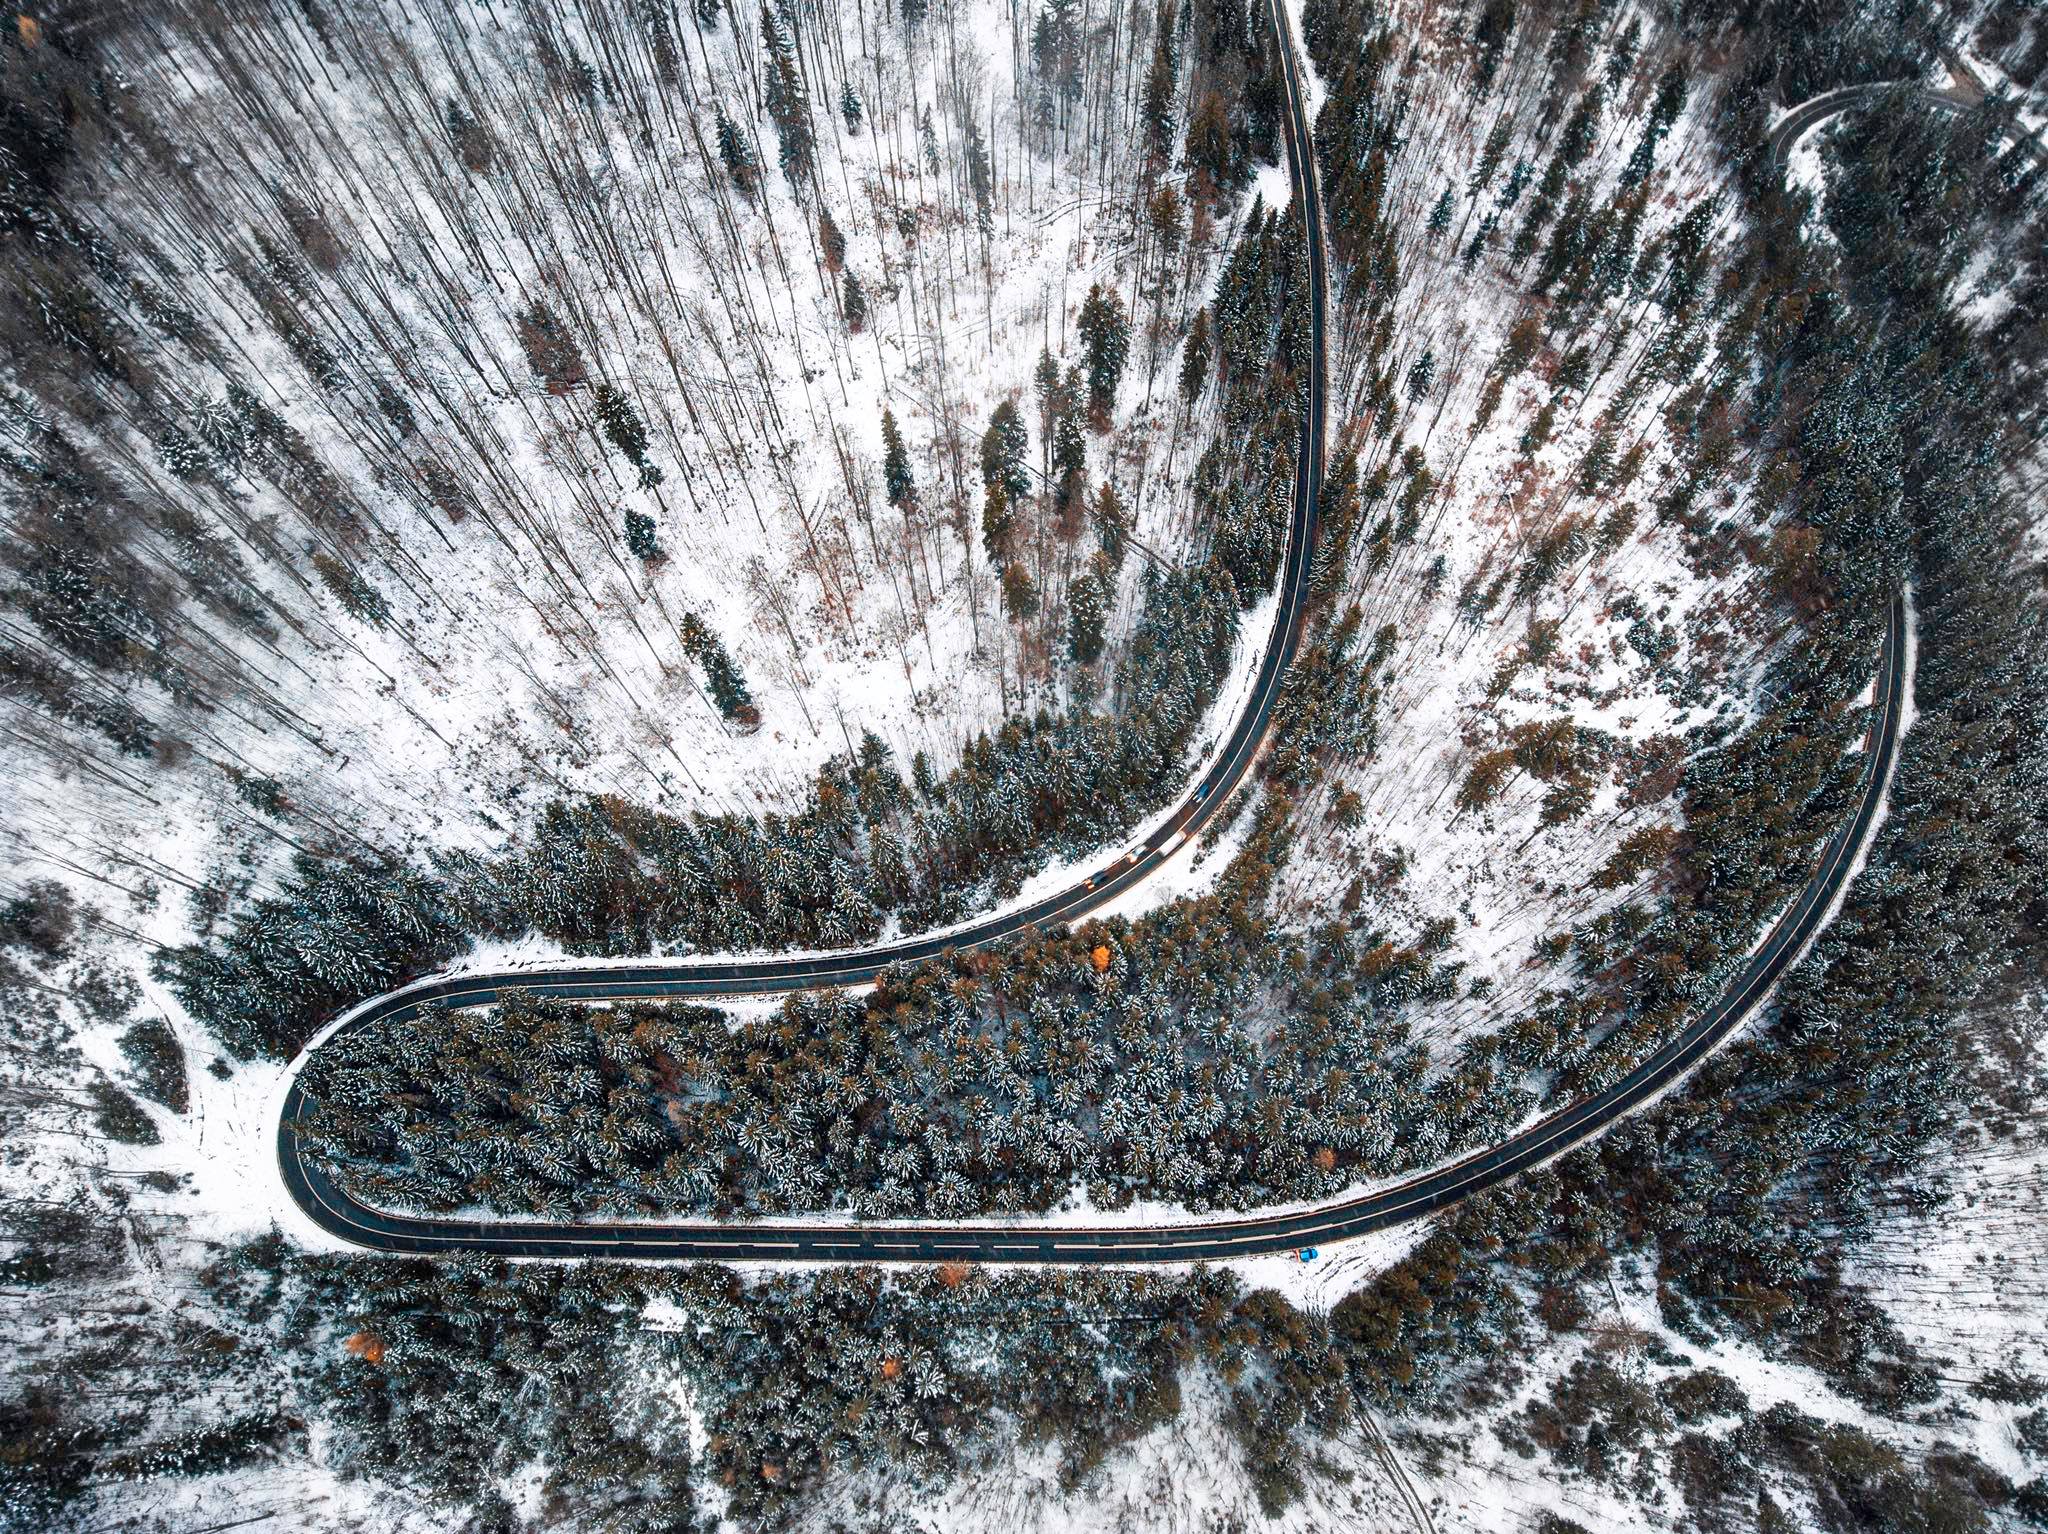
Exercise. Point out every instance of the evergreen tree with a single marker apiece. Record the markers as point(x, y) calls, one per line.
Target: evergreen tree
point(1106, 340)
point(1056, 50)
point(1069, 445)
point(1087, 614)
point(1422, 376)
point(1489, 158)
point(784, 94)
point(1440, 215)
point(736, 153)
point(628, 433)
point(640, 537)
point(728, 687)
point(1004, 478)
point(854, 299)
point(1208, 147)
point(1194, 361)
point(1045, 384)
point(1490, 35)
point(896, 465)
point(1020, 595)
point(1671, 93)
point(1156, 110)
point(831, 242)
point(851, 111)
point(981, 181)
point(1112, 526)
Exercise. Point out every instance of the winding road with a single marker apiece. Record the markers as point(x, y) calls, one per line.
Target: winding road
point(334, 1211)
point(1964, 93)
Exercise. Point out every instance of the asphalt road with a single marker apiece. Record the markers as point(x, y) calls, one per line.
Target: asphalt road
point(996, 1242)
point(1808, 115)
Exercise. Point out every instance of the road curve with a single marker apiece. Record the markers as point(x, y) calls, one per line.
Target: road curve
point(333, 1210)
point(1810, 114)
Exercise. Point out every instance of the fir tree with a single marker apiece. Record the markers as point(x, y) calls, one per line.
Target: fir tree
point(1087, 614)
point(1489, 158)
point(896, 465)
point(1208, 146)
point(784, 94)
point(1194, 359)
point(640, 537)
point(1020, 595)
point(1106, 338)
point(1422, 376)
point(981, 181)
point(627, 431)
point(1156, 110)
point(831, 242)
point(1112, 526)
point(854, 300)
point(1005, 479)
point(736, 153)
point(1069, 446)
point(728, 687)
point(1440, 215)
point(850, 109)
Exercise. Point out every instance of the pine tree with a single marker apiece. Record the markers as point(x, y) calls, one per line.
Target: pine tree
point(1087, 614)
point(728, 687)
point(1208, 146)
point(896, 465)
point(784, 94)
point(1106, 338)
point(1005, 479)
point(1194, 361)
point(736, 153)
point(1156, 111)
point(981, 181)
point(627, 431)
point(1112, 526)
point(851, 111)
point(1440, 215)
point(640, 537)
point(854, 300)
point(1069, 446)
point(1489, 158)
point(1045, 380)
point(1422, 375)
point(831, 242)
point(1020, 596)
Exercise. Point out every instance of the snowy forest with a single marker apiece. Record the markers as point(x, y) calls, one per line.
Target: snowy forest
point(536, 483)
